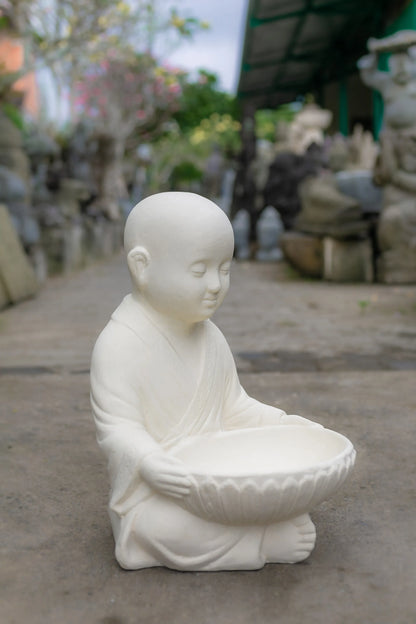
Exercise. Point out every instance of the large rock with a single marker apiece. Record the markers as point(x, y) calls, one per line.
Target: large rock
point(17, 278)
point(4, 298)
point(12, 186)
point(12, 155)
point(304, 252)
point(10, 135)
point(13, 193)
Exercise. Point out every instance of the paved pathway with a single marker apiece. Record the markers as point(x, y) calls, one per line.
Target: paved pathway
point(344, 355)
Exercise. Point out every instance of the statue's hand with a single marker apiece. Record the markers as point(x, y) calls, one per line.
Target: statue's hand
point(165, 474)
point(369, 61)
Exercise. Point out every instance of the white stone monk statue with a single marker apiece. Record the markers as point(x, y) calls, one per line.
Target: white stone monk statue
point(162, 371)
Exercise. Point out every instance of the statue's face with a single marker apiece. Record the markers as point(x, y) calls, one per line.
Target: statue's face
point(188, 279)
point(401, 68)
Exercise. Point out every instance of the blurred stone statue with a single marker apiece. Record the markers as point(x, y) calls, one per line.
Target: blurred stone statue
point(395, 168)
point(213, 173)
point(308, 128)
point(362, 149)
point(259, 169)
point(398, 85)
point(285, 174)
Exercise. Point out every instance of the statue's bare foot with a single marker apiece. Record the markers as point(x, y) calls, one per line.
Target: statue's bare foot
point(290, 541)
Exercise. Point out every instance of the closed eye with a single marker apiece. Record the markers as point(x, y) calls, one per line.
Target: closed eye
point(225, 269)
point(198, 269)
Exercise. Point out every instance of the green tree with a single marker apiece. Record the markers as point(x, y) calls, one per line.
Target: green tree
point(201, 99)
point(67, 36)
point(267, 120)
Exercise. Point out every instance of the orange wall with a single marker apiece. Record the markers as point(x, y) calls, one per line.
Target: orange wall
point(11, 60)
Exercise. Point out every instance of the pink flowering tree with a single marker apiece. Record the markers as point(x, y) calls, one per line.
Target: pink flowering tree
point(128, 99)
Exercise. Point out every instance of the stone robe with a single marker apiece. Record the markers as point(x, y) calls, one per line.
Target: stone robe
point(134, 370)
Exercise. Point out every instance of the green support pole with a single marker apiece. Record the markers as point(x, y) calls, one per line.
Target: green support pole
point(343, 107)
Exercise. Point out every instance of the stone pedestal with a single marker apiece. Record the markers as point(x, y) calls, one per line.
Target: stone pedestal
point(397, 242)
point(347, 260)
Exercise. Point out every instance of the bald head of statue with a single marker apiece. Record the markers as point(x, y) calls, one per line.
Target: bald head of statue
point(173, 237)
point(159, 220)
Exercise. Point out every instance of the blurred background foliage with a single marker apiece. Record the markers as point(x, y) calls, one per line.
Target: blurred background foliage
point(106, 63)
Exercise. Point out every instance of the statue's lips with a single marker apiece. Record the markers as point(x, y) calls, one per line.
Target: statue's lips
point(210, 300)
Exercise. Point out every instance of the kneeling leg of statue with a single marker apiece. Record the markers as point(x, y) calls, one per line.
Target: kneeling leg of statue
point(159, 532)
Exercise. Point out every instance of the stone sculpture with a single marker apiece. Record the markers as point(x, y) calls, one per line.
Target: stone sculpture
point(203, 477)
point(285, 175)
point(269, 229)
point(308, 127)
point(241, 229)
point(335, 233)
point(355, 153)
point(396, 166)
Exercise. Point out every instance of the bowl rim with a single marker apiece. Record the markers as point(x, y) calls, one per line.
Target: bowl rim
point(347, 451)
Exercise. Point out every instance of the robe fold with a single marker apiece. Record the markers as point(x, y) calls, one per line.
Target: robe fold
point(144, 400)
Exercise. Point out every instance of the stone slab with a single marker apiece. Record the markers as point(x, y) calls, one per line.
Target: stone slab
point(348, 261)
point(17, 277)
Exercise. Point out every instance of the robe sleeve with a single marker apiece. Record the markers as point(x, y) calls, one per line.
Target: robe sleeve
point(116, 405)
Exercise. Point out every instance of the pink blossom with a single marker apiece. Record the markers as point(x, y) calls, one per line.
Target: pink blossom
point(174, 88)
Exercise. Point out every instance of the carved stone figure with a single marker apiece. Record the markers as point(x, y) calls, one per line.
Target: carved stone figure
point(286, 173)
point(355, 153)
point(241, 229)
point(213, 173)
point(326, 211)
point(308, 127)
point(269, 229)
point(395, 169)
point(362, 149)
point(397, 86)
point(203, 477)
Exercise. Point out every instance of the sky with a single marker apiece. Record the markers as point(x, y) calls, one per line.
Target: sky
point(218, 49)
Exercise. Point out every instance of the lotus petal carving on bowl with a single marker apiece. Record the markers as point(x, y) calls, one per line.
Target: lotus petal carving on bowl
point(262, 476)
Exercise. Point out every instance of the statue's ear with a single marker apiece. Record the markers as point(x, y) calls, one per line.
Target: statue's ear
point(138, 260)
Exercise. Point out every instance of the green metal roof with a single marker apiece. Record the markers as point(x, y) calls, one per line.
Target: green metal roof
point(293, 47)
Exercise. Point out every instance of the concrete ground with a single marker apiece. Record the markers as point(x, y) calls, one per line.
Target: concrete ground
point(344, 355)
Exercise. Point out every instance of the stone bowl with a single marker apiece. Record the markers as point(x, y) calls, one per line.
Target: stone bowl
point(264, 475)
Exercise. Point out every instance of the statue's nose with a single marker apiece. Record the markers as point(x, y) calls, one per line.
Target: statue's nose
point(214, 283)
